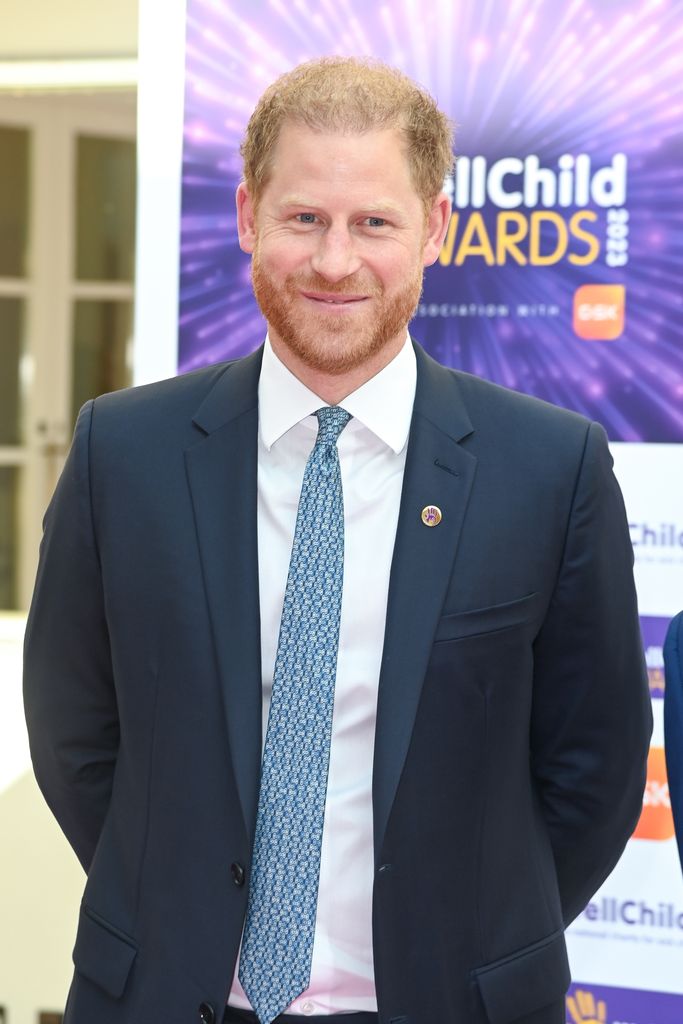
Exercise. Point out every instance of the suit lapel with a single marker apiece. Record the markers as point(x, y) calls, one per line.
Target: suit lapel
point(222, 474)
point(437, 472)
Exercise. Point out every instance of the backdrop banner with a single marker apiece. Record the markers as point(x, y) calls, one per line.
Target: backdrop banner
point(560, 272)
point(559, 276)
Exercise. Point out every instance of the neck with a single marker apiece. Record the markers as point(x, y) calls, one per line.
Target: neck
point(333, 388)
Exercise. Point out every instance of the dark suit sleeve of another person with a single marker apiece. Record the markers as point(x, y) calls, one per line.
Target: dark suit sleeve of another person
point(591, 716)
point(69, 692)
point(673, 722)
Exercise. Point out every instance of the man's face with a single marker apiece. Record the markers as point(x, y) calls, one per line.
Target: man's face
point(339, 242)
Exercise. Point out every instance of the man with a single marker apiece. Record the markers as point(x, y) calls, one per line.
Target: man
point(363, 759)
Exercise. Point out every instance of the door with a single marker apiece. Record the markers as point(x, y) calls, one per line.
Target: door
point(67, 243)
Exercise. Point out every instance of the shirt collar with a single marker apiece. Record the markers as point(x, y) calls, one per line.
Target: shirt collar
point(384, 404)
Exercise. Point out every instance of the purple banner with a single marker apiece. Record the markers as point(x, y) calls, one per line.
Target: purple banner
point(560, 274)
point(600, 1004)
point(653, 629)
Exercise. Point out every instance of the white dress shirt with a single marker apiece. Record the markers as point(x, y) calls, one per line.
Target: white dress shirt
point(372, 451)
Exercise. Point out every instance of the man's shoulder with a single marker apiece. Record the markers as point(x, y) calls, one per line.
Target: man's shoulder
point(147, 423)
point(208, 395)
point(163, 395)
point(491, 403)
point(492, 410)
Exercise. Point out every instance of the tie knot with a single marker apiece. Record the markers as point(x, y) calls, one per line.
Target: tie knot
point(331, 421)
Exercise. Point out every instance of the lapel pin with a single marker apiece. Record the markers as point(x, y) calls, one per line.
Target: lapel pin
point(431, 515)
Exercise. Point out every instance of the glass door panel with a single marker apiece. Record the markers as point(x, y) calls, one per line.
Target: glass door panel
point(11, 348)
point(105, 208)
point(102, 349)
point(9, 534)
point(14, 199)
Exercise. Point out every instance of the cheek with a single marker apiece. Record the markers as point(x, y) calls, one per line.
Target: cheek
point(285, 258)
point(396, 271)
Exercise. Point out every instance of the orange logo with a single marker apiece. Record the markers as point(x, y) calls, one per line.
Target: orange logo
point(656, 821)
point(599, 311)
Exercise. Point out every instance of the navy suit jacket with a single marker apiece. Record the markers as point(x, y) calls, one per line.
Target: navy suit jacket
point(513, 713)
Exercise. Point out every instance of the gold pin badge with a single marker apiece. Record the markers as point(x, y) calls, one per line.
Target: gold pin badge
point(431, 515)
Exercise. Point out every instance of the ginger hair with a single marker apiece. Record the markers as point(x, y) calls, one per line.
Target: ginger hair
point(351, 95)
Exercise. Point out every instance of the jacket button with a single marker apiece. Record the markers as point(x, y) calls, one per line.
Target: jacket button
point(207, 1014)
point(237, 872)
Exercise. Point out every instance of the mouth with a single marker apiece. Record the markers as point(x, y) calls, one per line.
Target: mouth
point(333, 299)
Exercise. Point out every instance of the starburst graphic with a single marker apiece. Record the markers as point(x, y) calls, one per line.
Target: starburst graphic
point(520, 77)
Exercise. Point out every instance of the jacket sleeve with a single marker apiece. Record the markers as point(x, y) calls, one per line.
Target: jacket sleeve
point(591, 715)
point(673, 722)
point(69, 695)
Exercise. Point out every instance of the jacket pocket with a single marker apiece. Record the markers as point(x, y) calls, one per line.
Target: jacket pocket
point(103, 954)
point(488, 620)
point(527, 980)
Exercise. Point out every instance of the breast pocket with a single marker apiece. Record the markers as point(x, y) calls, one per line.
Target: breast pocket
point(493, 619)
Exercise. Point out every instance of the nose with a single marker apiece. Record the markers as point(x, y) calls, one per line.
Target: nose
point(335, 256)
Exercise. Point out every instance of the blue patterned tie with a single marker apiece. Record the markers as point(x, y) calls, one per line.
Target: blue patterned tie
point(275, 964)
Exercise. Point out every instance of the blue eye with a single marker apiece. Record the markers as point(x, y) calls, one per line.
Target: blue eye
point(376, 222)
point(306, 218)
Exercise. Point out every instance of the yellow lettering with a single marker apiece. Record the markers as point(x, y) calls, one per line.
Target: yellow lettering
point(469, 247)
point(592, 242)
point(446, 254)
point(513, 228)
point(539, 217)
point(508, 235)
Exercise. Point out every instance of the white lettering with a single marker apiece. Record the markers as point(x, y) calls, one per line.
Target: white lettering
point(608, 187)
point(572, 182)
point(497, 194)
point(597, 311)
point(478, 197)
point(537, 178)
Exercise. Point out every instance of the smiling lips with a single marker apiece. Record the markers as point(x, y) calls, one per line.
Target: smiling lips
point(333, 298)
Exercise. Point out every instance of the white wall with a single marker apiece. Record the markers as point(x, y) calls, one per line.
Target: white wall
point(40, 879)
point(68, 28)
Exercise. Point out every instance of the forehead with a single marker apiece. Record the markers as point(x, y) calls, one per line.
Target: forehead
point(340, 164)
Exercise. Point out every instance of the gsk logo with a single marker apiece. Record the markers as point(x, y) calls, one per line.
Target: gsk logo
point(656, 821)
point(599, 311)
point(584, 1008)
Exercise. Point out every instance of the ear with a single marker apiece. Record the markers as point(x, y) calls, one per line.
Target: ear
point(437, 225)
point(246, 219)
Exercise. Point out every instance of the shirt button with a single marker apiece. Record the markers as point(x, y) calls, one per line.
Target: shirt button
point(308, 1007)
